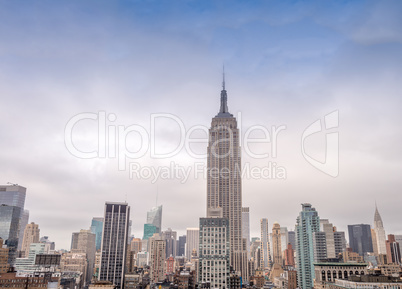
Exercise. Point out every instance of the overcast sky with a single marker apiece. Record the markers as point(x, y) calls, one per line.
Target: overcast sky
point(287, 63)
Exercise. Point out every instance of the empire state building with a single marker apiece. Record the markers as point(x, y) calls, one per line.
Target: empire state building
point(224, 189)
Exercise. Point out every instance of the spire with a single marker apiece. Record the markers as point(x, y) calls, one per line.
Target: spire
point(377, 218)
point(224, 110)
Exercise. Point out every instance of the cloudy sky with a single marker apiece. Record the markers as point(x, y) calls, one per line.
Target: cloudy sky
point(287, 63)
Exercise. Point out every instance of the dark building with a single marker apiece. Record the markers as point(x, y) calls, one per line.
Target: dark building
point(360, 238)
point(393, 250)
point(181, 246)
point(114, 243)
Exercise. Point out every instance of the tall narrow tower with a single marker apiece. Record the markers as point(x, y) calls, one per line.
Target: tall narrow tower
point(379, 232)
point(224, 179)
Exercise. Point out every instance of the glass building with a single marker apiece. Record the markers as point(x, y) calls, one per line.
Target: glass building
point(149, 231)
point(114, 243)
point(360, 238)
point(154, 217)
point(97, 228)
point(307, 223)
point(9, 229)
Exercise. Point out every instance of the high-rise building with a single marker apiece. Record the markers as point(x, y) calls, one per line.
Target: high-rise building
point(9, 229)
point(276, 244)
point(136, 245)
point(157, 257)
point(181, 246)
point(192, 242)
point(154, 217)
point(328, 243)
point(96, 228)
point(214, 252)
point(284, 238)
point(292, 239)
point(224, 188)
point(23, 223)
point(245, 220)
point(85, 241)
point(289, 256)
point(114, 243)
point(393, 250)
point(14, 195)
point(360, 238)
point(170, 236)
point(379, 232)
point(307, 223)
point(31, 235)
point(265, 245)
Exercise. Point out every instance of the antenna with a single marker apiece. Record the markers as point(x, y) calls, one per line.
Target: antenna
point(223, 75)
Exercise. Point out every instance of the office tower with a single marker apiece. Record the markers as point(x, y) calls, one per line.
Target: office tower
point(340, 243)
point(136, 245)
point(9, 229)
point(393, 250)
point(224, 180)
point(265, 245)
point(289, 256)
point(31, 235)
point(328, 243)
point(14, 195)
point(276, 244)
point(192, 241)
point(114, 243)
point(292, 239)
point(3, 258)
point(181, 246)
point(149, 231)
point(157, 257)
point(170, 237)
point(360, 238)
point(379, 232)
point(307, 223)
point(97, 228)
point(284, 238)
point(214, 256)
point(85, 241)
point(23, 223)
point(374, 241)
point(154, 217)
point(245, 223)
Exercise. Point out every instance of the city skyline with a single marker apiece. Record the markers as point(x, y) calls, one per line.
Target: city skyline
point(282, 68)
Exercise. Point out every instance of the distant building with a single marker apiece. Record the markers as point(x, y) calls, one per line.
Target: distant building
point(181, 246)
point(49, 245)
point(157, 257)
point(307, 223)
point(245, 227)
point(28, 263)
point(265, 245)
point(393, 250)
point(96, 228)
point(114, 243)
point(3, 258)
point(136, 245)
point(149, 231)
point(289, 256)
point(379, 232)
point(154, 217)
point(192, 241)
point(170, 237)
point(85, 241)
point(350, 256)
point(31, 235)
point(276, 244)
point(360, 238)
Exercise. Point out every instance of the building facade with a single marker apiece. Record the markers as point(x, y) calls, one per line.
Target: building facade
point(360, 238)
point(114, 243)
point(379, 233)
point(31, 235)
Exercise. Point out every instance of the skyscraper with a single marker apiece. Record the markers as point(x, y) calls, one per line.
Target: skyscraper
point(307, 223)
point(9, 229)
point(31, 235)
point(14, 195)
point(393, 250)
point(114, 243)
point(379, 232)
point(154, 217)
point(181, 246)
point(276, 244)
point(360, 238)
point(245, 220)
point(84, 241)
point(265, 245)
point(192, 242)
point(170, 236)
point(157, 257)
point(224, 179)
point(96, 228)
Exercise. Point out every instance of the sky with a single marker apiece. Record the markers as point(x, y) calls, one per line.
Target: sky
point(149, 74)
